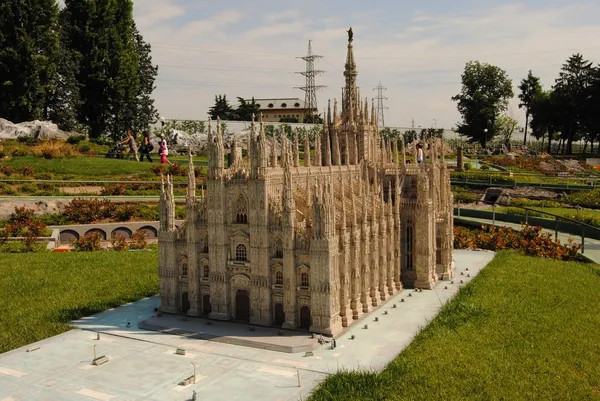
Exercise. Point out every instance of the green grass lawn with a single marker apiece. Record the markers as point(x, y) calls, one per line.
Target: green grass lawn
point(94, 167)
point(524, 328)
point(40, 293)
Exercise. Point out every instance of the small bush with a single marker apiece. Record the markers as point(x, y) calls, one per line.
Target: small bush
point(177, 169)
point(85, 149)
point(23, 223)
point(7, 170)
point(119, 243)
point(75, 139)
point(147, 212)
point(113, 190)
point(54, 150)
point(484, 167)
point(6, 189)
point(198, 171)
point(28, 171)
point(88, 243)
point(138, 240)
point(157, 169)
point(2, 152)
point(468, 166)
point(19, 151)
point(85, 211)
point(125, 212)
point(25, 139)
point(28, 188)
point(44, 176)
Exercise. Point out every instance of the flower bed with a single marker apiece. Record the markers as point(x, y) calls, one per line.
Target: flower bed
point(530, 240)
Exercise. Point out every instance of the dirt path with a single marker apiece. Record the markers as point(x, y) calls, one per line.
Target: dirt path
point(40, 207)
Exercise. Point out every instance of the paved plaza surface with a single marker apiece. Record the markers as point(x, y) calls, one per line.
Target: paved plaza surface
point(143, 365)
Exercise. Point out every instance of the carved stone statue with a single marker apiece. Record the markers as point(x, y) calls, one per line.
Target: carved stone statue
point(350, 35)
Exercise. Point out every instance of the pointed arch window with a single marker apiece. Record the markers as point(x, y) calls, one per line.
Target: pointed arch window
point(279, 249)
point(438, 247)
point(206, 271)
point(240, 253)
point(409, 245)
point(241, 216)
point(304, 280)
point(278, 278)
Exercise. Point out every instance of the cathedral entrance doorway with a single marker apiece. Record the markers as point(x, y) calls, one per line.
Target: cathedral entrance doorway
point(279, 315)
point(242, 305)
point(185, 302)
point(206, 306)
point(305, 318)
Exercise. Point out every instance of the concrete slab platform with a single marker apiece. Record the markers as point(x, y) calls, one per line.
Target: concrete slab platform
point(143, 365)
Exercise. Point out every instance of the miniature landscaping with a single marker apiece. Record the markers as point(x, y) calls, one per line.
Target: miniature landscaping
point(522, 329)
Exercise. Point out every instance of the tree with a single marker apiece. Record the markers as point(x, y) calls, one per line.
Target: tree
point(544, 115)
point(29, 46)
point(529, 88)
point(246, 110)
point(410, 136)
point(312, 118)
point(63, 100)
point(591, 107)
point(221, 109)
point(485, 92)
point(144, 113)
point(506, 126)
point(289, 119)
point(571, 90)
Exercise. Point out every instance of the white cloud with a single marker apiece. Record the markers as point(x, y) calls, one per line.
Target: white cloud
point(420, 60)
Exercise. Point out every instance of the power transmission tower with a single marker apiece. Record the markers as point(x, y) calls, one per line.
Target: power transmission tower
point(380, 106)
point(311, 88)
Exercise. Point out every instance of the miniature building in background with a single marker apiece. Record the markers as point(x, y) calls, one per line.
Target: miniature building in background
point(308, 233)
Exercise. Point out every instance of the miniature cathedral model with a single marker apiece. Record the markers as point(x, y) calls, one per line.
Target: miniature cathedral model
point(309, 242)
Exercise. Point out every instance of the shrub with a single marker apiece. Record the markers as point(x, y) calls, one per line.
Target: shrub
point(28, 188)
point(2, 152)
point(85, 211)
point(19, 151)
point(43, 176)
point(75, 139)
point(147, 212)
point(28, 171)
point(113, 190)
point(484, 167)
point(157, 169)
point(467, 166)
point(6, 189)
point(124, 212)
point(119, 243)
point(6, 170)
point(138, 240)
point(25, 139)
point(85, 149)
point(198, 171)
point(88, 243)
point(54, 219)
point(54, 150)
point(177, 169)
point(23, 223)
point(530, 240)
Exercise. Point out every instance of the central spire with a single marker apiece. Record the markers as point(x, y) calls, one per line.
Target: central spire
point(350, 73)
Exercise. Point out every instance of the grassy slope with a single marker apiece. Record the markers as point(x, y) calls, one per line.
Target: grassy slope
point(41, 292)
point(525, 328)
point(94, 167)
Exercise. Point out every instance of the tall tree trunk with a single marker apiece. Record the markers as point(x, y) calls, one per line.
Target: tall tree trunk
point(549, 143)
point(592, 146)
point(543, 140)
point(584, 147)
point(526, 125)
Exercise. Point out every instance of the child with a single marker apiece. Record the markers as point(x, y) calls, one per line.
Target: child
point(163, 150)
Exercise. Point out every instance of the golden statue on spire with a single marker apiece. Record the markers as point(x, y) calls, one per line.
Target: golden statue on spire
point(350, 35)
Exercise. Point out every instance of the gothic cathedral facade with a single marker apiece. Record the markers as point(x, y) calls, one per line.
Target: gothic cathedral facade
point(311, 241)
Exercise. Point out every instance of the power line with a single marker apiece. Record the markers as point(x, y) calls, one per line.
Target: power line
point(310, 88)
point(271, 54)
point(380, 106)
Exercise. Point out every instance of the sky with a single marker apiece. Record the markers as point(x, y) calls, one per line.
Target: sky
point(417, 50)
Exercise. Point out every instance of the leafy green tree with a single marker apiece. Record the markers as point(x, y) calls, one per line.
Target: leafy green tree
point(29, 48)
point(486, 90)
point(571, 91)
point(289, 119)
point(529, 88)
point(246, 109)
point(63, 100)
point(592, 108)
point(221, 109)
point(506, 127)
point(544, 116)
point(312, 118)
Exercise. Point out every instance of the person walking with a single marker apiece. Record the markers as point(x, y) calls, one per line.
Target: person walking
point(163, 151)
point(130, 141)
point(146, 148)
point(419, 154)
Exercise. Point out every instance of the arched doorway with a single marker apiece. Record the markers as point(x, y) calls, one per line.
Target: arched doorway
point(206, 306)
point(242, 305)
point(185, 302)
point(305, 317)
point(279, 315)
